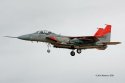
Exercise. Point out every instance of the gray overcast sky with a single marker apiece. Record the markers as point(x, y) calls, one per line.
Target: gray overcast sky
point(26, 62)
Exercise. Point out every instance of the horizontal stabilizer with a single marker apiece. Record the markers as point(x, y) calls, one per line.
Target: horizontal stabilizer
point(111, 43)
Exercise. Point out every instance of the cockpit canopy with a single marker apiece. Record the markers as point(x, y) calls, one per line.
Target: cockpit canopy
point(44, 32)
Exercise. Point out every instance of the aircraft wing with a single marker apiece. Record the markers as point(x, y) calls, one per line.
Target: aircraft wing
point(68, 46)
point(86, 38)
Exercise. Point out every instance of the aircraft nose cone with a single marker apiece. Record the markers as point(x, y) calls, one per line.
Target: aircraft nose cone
point(24, 37)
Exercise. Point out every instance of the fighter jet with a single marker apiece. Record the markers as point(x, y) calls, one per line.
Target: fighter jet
point(100, 40)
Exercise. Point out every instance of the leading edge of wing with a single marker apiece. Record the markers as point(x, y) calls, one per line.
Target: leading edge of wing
point(86, 38)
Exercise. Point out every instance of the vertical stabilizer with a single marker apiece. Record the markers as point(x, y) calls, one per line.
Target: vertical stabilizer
point(104, 35)
point(99, 33)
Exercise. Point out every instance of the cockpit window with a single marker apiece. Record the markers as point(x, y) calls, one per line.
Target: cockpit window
point(44, 32)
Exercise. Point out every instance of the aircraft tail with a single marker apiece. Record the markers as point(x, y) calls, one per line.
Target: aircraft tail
point(104, 35)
